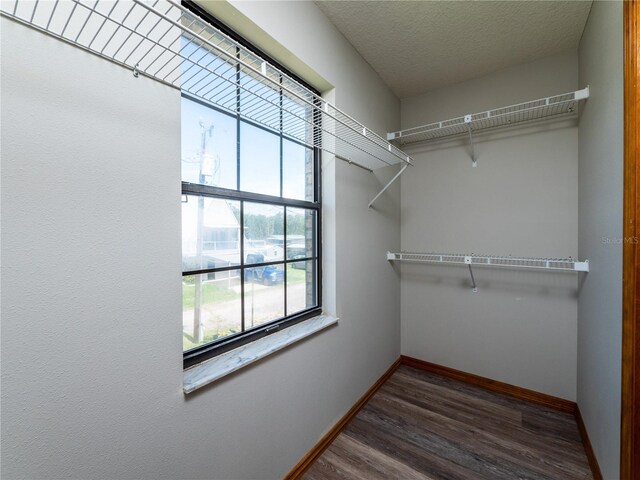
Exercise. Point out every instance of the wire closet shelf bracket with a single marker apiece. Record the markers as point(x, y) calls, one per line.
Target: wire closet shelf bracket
point(530, 263)
point(163, 41)
point(564, 105)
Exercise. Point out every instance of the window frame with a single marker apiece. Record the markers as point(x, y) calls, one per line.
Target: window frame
point(206, 351)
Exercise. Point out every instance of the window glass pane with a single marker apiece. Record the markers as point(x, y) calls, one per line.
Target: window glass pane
point(211, 307)
point(263, 294)
point(264, 233)
point(259, 101)
point(259, 160)
point(297, 171)
point(220, 88)
point(301, 228)
point(210, 233)
point(206, 73)
point(209, 146)
point(301, 286)
point(297, 118)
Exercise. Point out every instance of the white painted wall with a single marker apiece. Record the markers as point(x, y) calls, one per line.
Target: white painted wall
point(600, 219)
point(522, 199)
point(91, 323)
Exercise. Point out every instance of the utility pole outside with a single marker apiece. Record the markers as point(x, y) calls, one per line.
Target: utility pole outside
point(205, 171)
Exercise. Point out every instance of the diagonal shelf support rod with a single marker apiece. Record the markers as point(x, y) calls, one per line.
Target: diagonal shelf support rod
point(469, 260)
point(473, 280)
point(397, 175)
point(467, 121)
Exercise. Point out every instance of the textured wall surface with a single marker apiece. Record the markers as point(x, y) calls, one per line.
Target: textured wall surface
point(91, 297)
point(600, 219)
point(91, 323)
point(522, 199)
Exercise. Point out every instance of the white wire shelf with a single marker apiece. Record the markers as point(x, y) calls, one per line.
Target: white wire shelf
point(548, 107)
point(161, 40)
point(556, 264)
point(472, 260)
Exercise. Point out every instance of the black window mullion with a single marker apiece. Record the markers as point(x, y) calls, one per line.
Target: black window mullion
point(305, 259)
point(188, 273)
point(242, 267)
point(284, 245)
point(217, 192)
point(317, 154)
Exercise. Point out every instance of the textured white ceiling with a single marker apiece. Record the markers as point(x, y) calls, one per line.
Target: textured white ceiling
point(416, 46)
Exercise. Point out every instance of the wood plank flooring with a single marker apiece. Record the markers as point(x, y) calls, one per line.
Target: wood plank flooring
point(424, 426)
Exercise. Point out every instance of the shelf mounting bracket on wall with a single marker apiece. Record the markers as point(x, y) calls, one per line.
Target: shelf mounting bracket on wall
point(468, 261)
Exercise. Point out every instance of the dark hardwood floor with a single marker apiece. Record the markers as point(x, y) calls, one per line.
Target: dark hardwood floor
point(424, 426)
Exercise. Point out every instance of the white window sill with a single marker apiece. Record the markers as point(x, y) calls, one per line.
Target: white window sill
point(217, 367)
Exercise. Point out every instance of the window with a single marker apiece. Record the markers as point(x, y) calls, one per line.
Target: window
point(251, 217)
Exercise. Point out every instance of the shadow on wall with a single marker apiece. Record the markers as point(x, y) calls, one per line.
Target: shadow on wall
point(522, 130)
point(531, 282)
